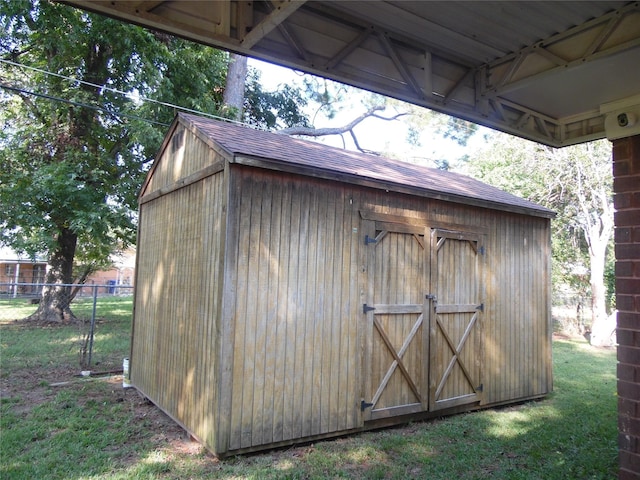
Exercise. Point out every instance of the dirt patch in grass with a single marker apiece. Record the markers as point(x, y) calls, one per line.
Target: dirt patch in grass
point(31, 388)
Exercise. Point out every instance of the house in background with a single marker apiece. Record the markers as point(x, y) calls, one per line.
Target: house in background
point(21, 269)
point(15, 268)
point(121, 274)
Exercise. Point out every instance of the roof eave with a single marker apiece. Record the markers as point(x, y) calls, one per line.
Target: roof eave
point(326, 174)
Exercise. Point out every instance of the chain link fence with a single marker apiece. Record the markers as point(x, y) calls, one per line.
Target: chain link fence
point(99, 332)
point(571, 312)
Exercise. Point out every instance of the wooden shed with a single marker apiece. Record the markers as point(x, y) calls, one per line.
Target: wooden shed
point(289, 291)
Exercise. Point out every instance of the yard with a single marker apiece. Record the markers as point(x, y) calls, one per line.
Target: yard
point(57, 424)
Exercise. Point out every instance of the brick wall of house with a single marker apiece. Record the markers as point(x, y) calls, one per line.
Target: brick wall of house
point(626, 186)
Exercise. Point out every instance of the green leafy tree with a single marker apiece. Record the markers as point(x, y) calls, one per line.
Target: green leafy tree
point(273, 110)
point(577, 183)
point(75, 144)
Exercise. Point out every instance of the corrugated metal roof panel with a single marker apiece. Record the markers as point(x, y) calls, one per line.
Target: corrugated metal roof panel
point(484, 31)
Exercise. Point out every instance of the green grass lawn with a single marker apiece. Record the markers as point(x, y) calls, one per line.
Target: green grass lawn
point(93, 429)
point(61, 345)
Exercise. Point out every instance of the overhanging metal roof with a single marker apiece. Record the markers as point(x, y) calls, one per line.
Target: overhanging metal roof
point(549, 71)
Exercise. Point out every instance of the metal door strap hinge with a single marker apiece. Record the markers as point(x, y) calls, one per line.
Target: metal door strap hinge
point(364, 405)
point(480, 388)
point(480, 307)
point(366, 308)
point(368, 240)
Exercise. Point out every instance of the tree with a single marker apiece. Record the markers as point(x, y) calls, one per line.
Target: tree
point(576, 182)
point(590, 209)
point(74, 146)
point(302, 101)
point(233, 99)
point(372, 112)
point(273, 110)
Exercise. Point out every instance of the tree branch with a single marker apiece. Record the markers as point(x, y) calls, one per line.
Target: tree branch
point(348, 128)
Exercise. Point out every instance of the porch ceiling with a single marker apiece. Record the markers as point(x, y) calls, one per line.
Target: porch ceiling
point(547, 71)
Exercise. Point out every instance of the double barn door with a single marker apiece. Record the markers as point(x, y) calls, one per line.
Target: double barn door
point(423, 348)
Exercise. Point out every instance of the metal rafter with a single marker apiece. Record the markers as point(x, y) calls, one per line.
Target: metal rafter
point(349, 48)
point(280, 12)
point(400, 65)
point(603, 27)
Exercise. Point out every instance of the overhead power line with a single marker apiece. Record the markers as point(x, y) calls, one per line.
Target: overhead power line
point(115, 90)
point(80, 104)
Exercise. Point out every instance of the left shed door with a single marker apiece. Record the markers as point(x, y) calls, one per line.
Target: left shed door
point(395, 376)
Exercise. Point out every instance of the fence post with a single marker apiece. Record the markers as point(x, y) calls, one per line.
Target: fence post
point(16, 279)
point(93, 323)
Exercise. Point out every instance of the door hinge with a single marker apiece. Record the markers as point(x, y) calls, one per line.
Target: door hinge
point(368, 240)
point(480, 307)
point(480, 388)
point(364, 405)
point(366, 308)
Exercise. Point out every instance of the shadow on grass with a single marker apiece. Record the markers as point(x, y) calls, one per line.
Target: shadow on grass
point(95, 430)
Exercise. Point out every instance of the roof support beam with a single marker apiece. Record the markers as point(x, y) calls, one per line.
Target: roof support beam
point(604, 29)
point(281, 11)
point(451, 93)
point(507, 86)
point(420, 59)
point(348, 49)
point(603, 36)
point(170, 19)
point(428, 74)
point(400, 65)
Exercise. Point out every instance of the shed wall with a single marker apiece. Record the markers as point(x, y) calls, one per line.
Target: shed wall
point(296, 348)
point(174, 356)
point(299, 279)
point(517, 349)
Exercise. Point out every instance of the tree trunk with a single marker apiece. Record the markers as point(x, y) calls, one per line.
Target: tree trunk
point(234, 90)
point(598, 291)
point(600, 332)
point(598, 235)
point(54, 306)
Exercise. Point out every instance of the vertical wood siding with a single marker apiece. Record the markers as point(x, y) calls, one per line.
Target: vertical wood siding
point(517, 317)
point(173, 356)
point(185, 155)
point(296, 350)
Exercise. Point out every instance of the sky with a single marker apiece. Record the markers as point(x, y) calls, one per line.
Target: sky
point(375, 134)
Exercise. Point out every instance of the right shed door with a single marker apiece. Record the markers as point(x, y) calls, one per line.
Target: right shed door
point(456, 309)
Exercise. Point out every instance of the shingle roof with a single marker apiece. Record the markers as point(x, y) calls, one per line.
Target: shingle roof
point(243, 141)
